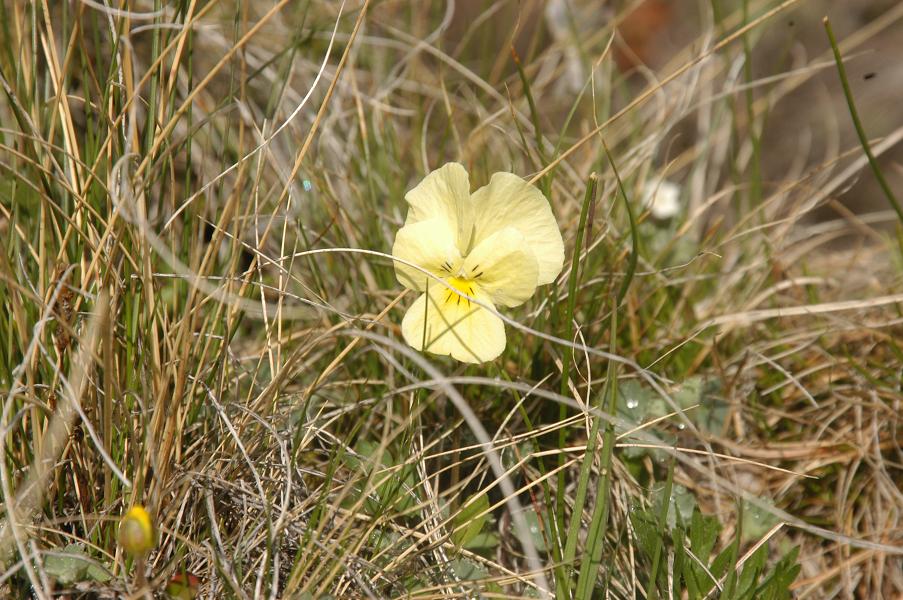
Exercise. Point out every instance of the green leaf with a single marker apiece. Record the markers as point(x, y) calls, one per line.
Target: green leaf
point(681, 502)
point(69, 565)
point(777, 585)
point(637, 405)
point(469, 521)
point(677, 542)
point(757, 521)
point(722, 562)
point(483, 542)
point(661, 523)
point(97, 573)
point(468, 569)
point(382, 540)
point(752, 570)
point(534, 525)
point(703, 534)
point(644, 525)
point(395, 483)
point(713, 410)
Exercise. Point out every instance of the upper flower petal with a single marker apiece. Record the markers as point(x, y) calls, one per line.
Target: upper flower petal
point(429, 244)
point(443, 194)
point(504, 267)
point(442, 322)
point(509, 201)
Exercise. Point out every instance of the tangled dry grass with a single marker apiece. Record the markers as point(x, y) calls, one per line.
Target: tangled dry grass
point(196, 202)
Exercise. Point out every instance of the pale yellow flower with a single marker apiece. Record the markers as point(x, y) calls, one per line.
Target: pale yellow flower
point(496, 246)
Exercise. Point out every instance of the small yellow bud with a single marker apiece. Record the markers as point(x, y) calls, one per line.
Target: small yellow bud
point(136, 533)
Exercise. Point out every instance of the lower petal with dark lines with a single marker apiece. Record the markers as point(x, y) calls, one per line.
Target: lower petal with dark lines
point(445, 322)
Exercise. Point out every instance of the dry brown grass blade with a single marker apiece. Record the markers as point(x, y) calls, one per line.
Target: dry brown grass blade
point(25, 501)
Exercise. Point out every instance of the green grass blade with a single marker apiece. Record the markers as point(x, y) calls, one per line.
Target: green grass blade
point(598, 524)
point(857, 123)
point(663, 528)
point(595, 540)
point(634, 236)
point(580, 499)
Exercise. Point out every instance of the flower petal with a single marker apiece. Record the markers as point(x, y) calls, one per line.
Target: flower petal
point(504, 267)
point(509, 201)
point(442, 322)
point(443, 194)
point(429, 244)
point(662, 199)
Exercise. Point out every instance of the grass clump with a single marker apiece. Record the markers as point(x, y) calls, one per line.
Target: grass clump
point(197, 202)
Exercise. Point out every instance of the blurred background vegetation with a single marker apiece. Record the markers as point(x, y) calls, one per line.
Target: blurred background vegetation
point(200, 317)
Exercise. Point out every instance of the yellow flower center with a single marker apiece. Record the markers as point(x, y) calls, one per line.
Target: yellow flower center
point(461, 287)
